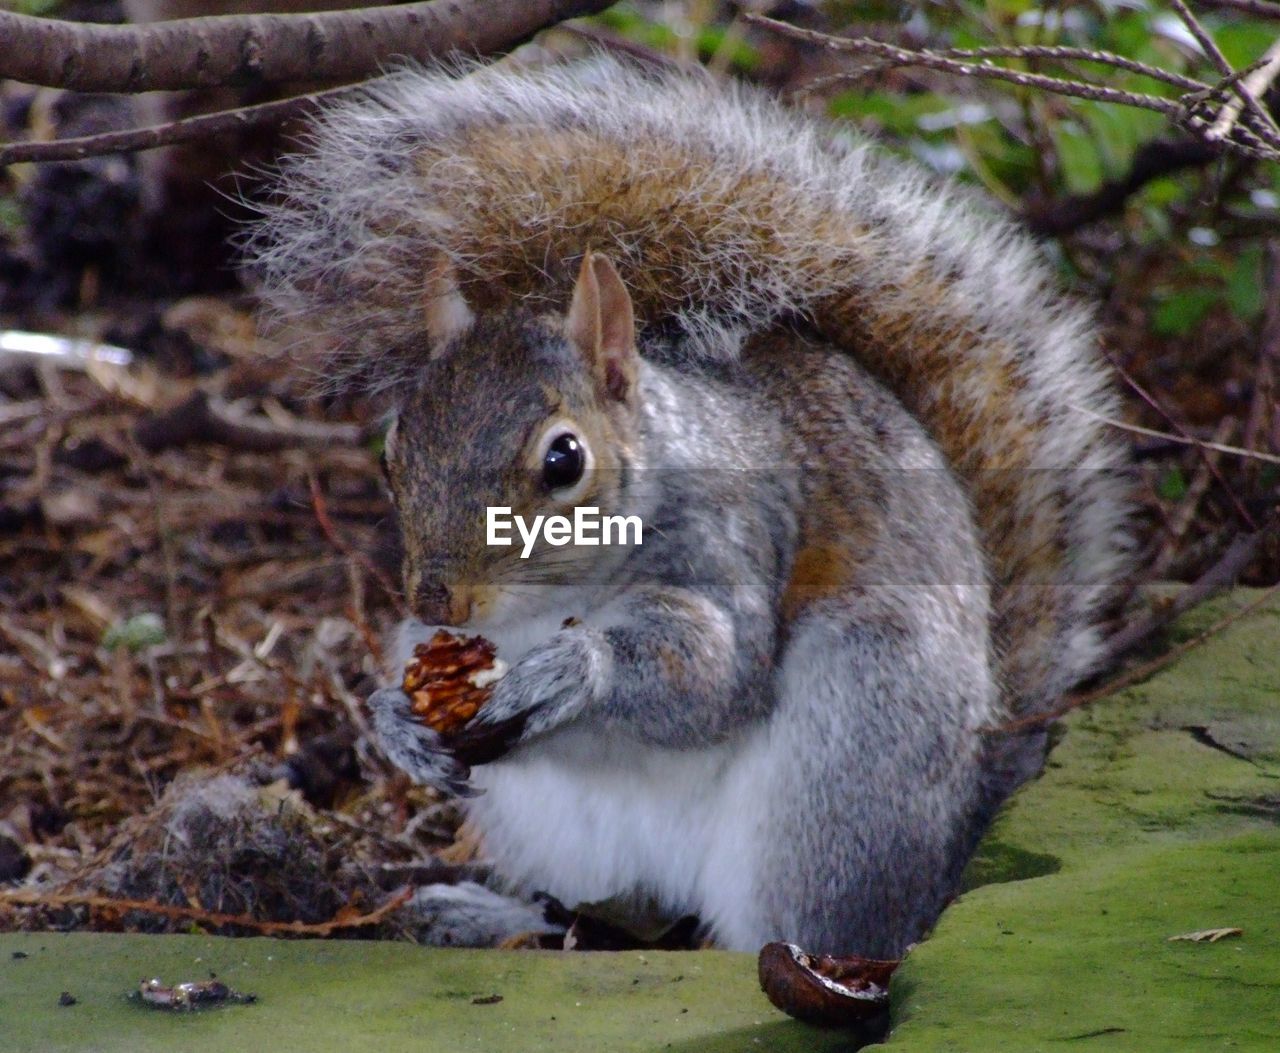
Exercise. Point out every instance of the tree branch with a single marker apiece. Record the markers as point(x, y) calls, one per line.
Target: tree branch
point(259, 49)
point(1254, 86)
point(1266, 125)
point(891, 55)
point(1152, 160)
point(1260, 8)
point(202, 419)
point(1253, 133)
point(180, 131)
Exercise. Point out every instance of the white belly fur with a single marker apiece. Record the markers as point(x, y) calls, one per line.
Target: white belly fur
point(588, 819)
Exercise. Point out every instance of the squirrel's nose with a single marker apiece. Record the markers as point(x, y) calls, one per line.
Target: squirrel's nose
point(437, 604)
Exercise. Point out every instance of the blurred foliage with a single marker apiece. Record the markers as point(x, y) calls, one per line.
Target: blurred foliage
point(1179, 265)
point(1024, 145)
point(39, 8)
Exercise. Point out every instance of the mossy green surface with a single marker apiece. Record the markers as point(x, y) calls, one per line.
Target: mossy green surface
point(348, 996)
point(1157, 816)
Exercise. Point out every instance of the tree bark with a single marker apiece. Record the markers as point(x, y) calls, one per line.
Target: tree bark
point(238, 50)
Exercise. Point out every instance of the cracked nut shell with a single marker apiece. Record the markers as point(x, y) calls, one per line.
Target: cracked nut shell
point(821, 988)
point(449, 678)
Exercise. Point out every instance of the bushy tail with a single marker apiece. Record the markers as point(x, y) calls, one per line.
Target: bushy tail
point(726, 214)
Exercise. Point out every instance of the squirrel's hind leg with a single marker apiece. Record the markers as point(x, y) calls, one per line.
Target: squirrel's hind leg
point(874, 809)
point(470, 915)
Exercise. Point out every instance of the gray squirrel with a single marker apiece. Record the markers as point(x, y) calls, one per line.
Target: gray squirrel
point(859, 424)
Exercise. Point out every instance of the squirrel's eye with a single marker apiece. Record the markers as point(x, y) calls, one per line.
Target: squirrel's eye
point(564, 462)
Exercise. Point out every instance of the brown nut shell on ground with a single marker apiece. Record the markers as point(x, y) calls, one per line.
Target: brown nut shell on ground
point(824, 989)
point(449, 678)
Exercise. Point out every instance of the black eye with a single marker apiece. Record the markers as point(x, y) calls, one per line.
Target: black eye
point(564, 462)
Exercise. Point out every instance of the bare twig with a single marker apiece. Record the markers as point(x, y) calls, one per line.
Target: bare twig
point(1051, 52)
point(1262, 425)
point(346, 918)
point(207, 124)
point(1185, 512)
point(1184, 439)
point(1257, 137)
point(266, 49)
point(326, 525)
point(1138, 673)
point(1218, 577)
point(203, 418)
point(1254, 86)
point(1267, 125)
point(1154, 403)
point(897, 56)
point(1260, 8)
point(1202, 37)
point(1151, 161)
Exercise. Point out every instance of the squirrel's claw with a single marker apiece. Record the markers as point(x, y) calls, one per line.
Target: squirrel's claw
point(550, 685)
point(414, 747)
point(482, 741)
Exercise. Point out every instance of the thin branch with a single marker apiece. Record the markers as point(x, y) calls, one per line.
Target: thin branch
point(1021, 51)
point(1257, 138)
point(1221, 575)
point(1068, 54)
point(1202, 37)
point(261, 49)
point(1190, 440)
point(1186, 440)
point(1262, 425)
point(1184, 513)
point(1260, 8)
point(934, 60)
point(1151, 161)
point(346, 918)
point(179, 131)
point(205, 419)
point(1138, 673)
point(1268, 129)
point(1254, 86)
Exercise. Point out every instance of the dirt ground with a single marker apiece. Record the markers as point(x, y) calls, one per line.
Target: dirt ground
point(198, 562)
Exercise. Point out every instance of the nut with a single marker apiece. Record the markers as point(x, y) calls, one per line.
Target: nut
point(450, 678)
point(821, 988)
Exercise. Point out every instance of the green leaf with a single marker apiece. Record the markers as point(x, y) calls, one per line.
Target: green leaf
point(1179, 314)
point(1244, 292)
point(1242, 42)
point(136, 633)
point(1078, 158)
point(1172, 485)
point(1160, 193)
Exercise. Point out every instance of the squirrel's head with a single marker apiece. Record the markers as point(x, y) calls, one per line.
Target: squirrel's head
point(536, 414)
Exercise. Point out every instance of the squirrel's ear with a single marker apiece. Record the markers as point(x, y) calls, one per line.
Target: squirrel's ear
point(601, 326)
point(445, 312)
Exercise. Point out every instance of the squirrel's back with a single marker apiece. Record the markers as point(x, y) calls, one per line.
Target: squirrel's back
point(727, 216)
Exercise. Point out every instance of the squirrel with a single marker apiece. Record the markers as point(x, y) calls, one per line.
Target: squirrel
point(861, 428)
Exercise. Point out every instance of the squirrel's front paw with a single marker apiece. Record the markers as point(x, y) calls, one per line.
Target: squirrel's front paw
point(414, 747)
point(550, 685)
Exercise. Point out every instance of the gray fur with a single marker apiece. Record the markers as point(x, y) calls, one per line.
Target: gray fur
point(772, 714)
point(868, 794)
